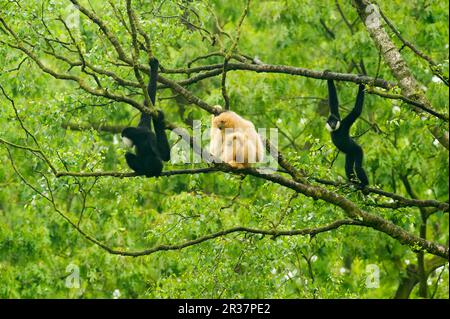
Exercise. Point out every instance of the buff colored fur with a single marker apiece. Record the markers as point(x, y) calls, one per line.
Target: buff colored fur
point(235, 141)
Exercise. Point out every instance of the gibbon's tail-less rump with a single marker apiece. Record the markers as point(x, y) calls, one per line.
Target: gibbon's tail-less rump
point(152, 148)
point(235, 141)
point(340, 134)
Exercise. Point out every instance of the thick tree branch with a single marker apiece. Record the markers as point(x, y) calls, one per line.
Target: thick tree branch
point(347, 77)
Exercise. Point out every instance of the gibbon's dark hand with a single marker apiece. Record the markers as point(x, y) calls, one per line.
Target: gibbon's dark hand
point(362, 87)
point(153, 62)
point(159, 120)
point(161, 116)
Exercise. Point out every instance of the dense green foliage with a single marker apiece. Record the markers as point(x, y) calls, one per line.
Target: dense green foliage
point(37, 244)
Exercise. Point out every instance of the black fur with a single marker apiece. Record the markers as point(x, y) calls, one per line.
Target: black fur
point(151, 149)
point(341, 135)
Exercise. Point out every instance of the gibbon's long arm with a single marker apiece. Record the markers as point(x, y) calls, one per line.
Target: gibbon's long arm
point(158, 122)
point(357, 110)
point(161, 138)
point(145, 120)
point(154, 64)
point(333, 99)
point(162, 144)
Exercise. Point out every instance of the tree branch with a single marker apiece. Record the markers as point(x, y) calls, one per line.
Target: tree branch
point(273, 233)
point(131, 174)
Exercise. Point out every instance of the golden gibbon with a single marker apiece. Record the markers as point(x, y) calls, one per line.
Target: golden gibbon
point(235, 141)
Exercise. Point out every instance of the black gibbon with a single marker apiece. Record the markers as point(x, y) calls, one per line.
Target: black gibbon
point(235, 141)
point(151, 149)
point(340, 134)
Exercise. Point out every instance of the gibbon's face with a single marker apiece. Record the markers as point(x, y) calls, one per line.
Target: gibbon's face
point(126, 141)
point(223, 121)
point(333, 124)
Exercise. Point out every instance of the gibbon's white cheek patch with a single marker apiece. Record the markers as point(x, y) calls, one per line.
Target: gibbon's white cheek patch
point(338, 125)
point(329, 129)
point(127, 141)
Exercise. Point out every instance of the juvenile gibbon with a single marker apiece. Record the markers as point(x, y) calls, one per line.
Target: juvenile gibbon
point(235, 141)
